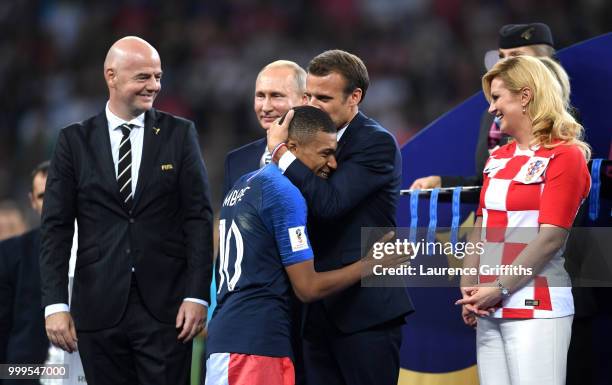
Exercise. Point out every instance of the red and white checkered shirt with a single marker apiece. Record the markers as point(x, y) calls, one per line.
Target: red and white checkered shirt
point(521, 190)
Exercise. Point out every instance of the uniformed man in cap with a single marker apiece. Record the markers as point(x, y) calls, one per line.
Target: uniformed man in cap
point(533, 39)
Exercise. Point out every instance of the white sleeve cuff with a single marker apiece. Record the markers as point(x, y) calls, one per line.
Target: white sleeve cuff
point(285, 161)
point(200, 301)
point(56, 308)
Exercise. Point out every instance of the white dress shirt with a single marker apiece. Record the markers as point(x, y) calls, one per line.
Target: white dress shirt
point(262, 161)
point(136, 140)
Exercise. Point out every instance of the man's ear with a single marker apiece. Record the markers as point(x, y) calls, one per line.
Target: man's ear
point(292, 146)
point(355, 96)
point(110, 76)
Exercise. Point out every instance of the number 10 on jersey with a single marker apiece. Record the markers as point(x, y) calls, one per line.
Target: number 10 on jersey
point(224, 255)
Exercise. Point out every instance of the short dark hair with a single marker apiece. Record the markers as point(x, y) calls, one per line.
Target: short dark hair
point(41, 168)
point(307, 121)
point(346, 64)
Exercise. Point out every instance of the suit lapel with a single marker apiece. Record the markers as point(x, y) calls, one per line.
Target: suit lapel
point(104, 156)
point(349, 132)
point(150, 147)
point(259, 151)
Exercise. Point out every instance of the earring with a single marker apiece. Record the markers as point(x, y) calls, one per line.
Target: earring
point(524, 110)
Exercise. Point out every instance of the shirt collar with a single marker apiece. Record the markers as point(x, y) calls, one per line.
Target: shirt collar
point(114, 121)
point(528, 152)
point(341, 132)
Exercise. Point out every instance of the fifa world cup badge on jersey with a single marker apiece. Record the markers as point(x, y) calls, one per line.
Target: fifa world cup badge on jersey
point(297, 236)
point(532, 171)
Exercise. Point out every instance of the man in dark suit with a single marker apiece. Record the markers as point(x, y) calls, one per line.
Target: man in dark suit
point(279, 87)
point(134, 179)
point(533, 39)
point(353, 337)
point(22, 323)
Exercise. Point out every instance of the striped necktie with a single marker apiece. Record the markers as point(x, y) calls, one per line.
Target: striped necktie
point(124, 168)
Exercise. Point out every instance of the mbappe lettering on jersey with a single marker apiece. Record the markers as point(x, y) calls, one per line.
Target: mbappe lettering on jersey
point(235, 196)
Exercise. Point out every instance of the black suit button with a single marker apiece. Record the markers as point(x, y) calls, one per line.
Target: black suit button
point(130, 212)
point(132, 220)
point(127, 251)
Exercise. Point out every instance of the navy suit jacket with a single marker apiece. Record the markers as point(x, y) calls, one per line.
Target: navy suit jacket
point(242, 161)
point(166, 236)
point(362, 192)
point(22, 320)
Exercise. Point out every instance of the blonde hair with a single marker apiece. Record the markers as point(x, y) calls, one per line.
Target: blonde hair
point(548, 108)
point(561, 76)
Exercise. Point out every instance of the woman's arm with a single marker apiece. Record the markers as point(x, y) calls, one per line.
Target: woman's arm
point(535, 256)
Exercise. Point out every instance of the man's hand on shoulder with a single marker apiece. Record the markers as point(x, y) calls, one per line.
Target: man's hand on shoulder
point(190, 319)
point(61, 331)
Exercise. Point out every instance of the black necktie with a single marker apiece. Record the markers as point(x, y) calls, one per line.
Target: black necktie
point(124, 168)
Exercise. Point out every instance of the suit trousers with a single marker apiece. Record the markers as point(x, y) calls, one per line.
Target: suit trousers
point(366, 357)
point(523, 351)
point(138, 350)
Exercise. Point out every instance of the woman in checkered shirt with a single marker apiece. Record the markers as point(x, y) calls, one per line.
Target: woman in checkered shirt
point(532, 189)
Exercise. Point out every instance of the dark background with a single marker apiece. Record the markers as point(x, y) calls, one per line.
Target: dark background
point(424, 57)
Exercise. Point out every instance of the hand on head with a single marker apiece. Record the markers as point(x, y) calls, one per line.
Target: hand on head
point(279, 131)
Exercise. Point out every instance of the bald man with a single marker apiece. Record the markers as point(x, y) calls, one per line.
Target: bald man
point(134, 179)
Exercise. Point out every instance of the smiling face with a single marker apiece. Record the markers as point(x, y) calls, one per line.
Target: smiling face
point(133, 75)
point(507, 107)
point(318, 153)
point(276, 92)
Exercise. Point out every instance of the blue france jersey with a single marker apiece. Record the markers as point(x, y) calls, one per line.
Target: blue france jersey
point(262, 230)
